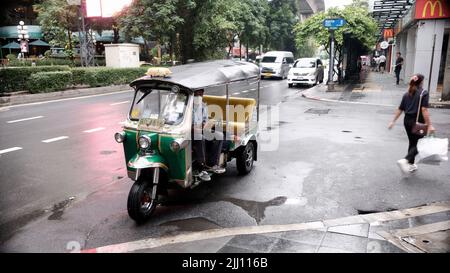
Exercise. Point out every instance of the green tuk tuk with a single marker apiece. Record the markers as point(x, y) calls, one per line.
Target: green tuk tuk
point(157, 135)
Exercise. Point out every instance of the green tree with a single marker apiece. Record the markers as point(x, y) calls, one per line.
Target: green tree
point(151, 19)
point(360, 26)
point(58, 20)
point(281, 21)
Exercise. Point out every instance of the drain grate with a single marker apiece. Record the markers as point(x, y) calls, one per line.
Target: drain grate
point(318, 111)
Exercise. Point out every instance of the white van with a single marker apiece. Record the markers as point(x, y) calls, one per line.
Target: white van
point(276, 64)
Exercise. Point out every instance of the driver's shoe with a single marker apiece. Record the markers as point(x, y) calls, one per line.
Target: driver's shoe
point(204, 176)
point(216, 169)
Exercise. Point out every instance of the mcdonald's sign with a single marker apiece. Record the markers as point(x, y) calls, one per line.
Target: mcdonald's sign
point(432, 9)
point(388, 33)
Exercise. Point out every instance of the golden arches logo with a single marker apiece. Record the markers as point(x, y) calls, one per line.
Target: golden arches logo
point(432, 7)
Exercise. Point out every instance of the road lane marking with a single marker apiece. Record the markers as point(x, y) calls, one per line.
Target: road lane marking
point(67, 99)
point(10, 150)
point(55, 139)
point(94, 130)
point(24, 119)
point(122, 102)
point(237, 93)
point(245, 91)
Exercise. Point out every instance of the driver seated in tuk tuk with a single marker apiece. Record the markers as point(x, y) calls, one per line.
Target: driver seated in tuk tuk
point(206, 153)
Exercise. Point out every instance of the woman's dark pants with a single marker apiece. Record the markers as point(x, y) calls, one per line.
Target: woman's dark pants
point(413, 138)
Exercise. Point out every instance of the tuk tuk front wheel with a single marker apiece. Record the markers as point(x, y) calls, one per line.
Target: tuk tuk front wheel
point(245, 159)
point(140, 204)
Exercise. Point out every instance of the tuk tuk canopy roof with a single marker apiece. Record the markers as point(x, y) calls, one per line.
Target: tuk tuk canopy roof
point(206, 74)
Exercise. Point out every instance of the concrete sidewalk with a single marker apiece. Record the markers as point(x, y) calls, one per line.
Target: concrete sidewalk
point(377, 89)
point(423, 229)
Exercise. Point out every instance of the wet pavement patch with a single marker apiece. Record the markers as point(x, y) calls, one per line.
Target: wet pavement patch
point(192, 224)
point(257, 209)
point(8, 229)
point(318, 111)
point(58, 209)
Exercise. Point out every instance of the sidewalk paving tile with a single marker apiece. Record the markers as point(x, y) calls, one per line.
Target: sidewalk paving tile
point(288, 246)
point(360, 230)
point(379, 246)
point(345, 242)
point(258, 243)
point(232, 249)
point(202, 246)
point(324, 249)
point(311, 237)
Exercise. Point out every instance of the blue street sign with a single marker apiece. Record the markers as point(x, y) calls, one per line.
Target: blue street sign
point(333, 23)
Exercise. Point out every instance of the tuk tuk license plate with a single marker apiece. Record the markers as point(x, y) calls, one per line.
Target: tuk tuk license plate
point(267, 74)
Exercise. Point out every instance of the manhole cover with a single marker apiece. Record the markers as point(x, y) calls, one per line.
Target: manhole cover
point(318, 111)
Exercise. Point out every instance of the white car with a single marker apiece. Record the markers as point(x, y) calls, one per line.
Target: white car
point(276, 64)
point(306, 71)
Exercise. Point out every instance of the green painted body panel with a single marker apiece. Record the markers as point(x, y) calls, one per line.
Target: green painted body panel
point(176, 162)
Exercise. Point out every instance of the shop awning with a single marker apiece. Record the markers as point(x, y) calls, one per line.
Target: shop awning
point(10, 32)
point(12, 45)
point(39, 43)
point(388, 12)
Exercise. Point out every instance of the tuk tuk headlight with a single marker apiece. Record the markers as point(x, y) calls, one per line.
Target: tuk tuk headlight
point(120, 137)
point(144, 142)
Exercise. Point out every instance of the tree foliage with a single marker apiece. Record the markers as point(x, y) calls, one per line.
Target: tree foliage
point(359, 24)
point(58, 20)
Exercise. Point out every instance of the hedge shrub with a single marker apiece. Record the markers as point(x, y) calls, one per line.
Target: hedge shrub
point(49, 81)
point(40, 62)
point(16, 78)
point(96, 77)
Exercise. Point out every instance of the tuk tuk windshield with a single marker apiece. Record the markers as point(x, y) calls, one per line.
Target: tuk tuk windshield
point(159, 104)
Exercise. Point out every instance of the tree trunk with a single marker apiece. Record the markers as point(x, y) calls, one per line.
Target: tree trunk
point(69, 33)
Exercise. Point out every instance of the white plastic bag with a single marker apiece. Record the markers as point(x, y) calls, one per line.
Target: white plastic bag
point(432, 150)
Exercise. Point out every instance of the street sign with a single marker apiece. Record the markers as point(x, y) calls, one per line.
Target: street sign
point(334, 23)
point(384, 45)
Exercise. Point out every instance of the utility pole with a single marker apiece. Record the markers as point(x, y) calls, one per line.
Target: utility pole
point(332, 25)
point(331, 63)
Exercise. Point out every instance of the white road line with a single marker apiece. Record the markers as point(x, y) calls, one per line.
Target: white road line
point(24, 119)
point(245, 91)
point(122, 102)
point(94, 130)
point(55, 139)
point(10, 150)
point(237, 93)
point(67, 99)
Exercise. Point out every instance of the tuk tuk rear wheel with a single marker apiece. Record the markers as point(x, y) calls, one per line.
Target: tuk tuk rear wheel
point(245, 159)
point(140, 204)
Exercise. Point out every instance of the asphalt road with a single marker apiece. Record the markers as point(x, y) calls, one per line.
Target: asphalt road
point(67, 183)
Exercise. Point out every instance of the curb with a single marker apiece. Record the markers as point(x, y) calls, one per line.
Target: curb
point(436, 105)
point(373, 218)
point(71, 93)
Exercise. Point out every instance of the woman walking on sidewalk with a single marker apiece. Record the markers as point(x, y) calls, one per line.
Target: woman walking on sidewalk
point(410, 105)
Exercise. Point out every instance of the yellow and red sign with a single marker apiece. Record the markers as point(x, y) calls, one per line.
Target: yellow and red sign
point(388, 33)
point(432, 9)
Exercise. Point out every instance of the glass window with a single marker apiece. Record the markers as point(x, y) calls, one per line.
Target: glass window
point(290, 60)
point(269, 59)
point(305, 63)
point(159, 104)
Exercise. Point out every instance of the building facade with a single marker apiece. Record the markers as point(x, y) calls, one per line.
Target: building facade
point(422, 37)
